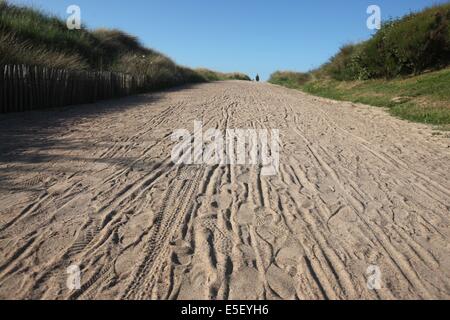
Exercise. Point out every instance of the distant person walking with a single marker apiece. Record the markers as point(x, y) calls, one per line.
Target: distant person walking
point(257, 78)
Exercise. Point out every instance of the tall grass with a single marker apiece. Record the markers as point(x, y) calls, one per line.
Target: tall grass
point(15, 51)
point(39, 30)
point(32, 37)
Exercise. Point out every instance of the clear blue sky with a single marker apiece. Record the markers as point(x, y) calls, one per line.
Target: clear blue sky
point(238, 35)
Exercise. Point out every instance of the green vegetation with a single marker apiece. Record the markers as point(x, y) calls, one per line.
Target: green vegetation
point(30, 37)
point(424, 98)
point(408, 46)
point(402, 67)
point(289, 79)
point(220, 76)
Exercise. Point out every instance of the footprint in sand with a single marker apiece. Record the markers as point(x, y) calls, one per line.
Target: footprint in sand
point(186, 174)
point(245, 284)
point(214, 202)
point(249, 215)
point(289, 257)
point(308, 204)
point(244, 177)
point(222, 240)
point(230, 188)
point(207, 221)
point(246, 214)
point(281, 283)
point(181, 252)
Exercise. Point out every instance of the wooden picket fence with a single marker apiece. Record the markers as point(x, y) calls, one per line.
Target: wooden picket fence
point(25, 88)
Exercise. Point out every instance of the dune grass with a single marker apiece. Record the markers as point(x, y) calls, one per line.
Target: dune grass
point(29, 36)
point(220, 76)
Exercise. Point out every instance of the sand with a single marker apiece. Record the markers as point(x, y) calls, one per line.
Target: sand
point(94, 187)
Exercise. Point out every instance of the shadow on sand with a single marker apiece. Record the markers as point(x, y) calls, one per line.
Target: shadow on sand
point(29, 140)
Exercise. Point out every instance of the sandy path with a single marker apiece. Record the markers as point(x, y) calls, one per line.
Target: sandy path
point(95, 186)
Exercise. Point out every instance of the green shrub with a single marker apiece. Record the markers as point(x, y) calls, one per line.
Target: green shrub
point(346, 65)
point(406, 46)
point(419, 41)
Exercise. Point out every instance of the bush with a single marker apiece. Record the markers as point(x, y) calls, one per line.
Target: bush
point(406, 46)
point(418, 42)
point(346, 64)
